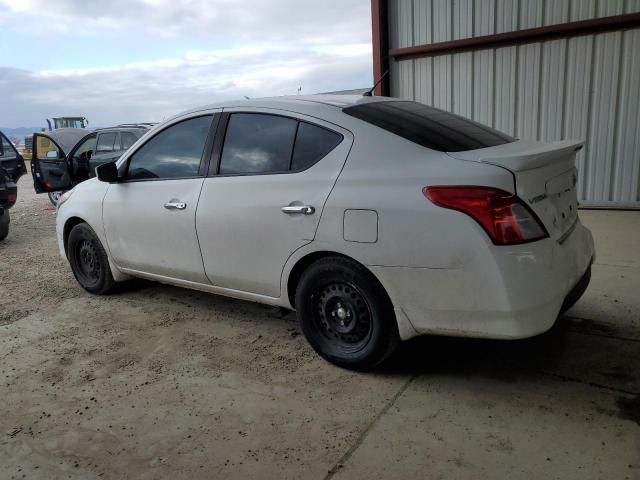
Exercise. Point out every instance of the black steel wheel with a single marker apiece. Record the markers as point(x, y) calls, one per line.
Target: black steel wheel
point(345, 314)
point(89, 261)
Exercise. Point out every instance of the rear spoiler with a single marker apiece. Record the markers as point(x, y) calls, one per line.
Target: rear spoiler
point(522, 155)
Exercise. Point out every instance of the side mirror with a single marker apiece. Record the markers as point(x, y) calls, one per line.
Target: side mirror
point(107, 172)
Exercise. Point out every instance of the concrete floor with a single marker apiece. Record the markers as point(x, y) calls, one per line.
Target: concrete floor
point(158, 382)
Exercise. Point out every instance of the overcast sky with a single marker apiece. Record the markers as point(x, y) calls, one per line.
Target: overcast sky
point(143, 60)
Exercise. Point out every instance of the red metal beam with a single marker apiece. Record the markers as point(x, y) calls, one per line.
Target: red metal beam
point(380, 39)
point(562, 30)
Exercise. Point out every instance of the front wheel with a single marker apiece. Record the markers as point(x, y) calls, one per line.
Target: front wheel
point(89, 261)
point(345, 314)
point(54, 197)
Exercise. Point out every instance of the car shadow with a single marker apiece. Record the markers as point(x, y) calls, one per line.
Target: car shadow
point(591, 353)
point(567, 348)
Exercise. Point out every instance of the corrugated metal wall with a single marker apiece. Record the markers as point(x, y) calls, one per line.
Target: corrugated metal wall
point(584, 87)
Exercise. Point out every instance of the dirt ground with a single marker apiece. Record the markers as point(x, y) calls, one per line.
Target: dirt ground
point(162, 382)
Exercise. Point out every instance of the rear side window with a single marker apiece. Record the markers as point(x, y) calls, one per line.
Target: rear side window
point(427, 126)
point(263, 143)
point(312, 143)
point(257, 143)
point(105, 142)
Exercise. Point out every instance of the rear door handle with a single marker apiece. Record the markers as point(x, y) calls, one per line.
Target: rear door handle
point(299, 209)
point(175, 205)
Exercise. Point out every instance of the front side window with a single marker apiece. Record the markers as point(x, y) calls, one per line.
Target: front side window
point(257, 143)
point(45, 148)
point(127, 140)
point(428, 126)
point(175, 152)
point(88, 145)
point(106, 142)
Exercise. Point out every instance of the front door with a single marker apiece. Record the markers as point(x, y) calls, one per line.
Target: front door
point(265, 196)
point(10, 160)
point(149, 217)
point(49, 166)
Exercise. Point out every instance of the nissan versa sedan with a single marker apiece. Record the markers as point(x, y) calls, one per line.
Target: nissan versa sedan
point(376, 219)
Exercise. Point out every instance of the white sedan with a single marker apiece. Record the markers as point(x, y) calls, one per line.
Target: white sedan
point(376, 219)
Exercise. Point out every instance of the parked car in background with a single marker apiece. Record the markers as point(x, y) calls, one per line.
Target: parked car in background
point(376, 219)
point(12, 167)
point(82, 152)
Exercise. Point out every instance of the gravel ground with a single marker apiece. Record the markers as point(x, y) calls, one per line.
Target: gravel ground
point(158, 382)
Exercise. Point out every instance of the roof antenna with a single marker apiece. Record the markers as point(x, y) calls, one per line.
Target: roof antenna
point(369, 93)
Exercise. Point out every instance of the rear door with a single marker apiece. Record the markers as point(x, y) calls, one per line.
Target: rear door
point(268, 184)
point(49, 166)
point(10, 159)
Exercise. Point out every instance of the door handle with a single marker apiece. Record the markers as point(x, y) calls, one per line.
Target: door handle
point(303, 209)
point(175, 205)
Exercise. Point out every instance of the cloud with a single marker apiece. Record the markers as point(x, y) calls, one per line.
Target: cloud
point(334, 21)
point(158, 57)
point(152, 91)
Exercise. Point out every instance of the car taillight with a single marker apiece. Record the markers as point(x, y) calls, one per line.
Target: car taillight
point(12, 197)
point(505, 218)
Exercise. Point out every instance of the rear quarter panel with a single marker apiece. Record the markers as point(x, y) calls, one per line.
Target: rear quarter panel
point(386, 173)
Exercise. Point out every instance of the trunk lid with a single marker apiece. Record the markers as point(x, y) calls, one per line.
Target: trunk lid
point(545, 178)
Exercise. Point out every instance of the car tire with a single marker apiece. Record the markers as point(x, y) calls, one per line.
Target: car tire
point(89, 261)
point(5, 219)
point(345, 314)
point(54, 197)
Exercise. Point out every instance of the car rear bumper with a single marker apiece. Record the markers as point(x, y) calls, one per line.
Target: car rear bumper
point(502, 292)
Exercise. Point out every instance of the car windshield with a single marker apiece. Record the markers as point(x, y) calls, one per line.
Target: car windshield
point(68, 123)
point(428, 126)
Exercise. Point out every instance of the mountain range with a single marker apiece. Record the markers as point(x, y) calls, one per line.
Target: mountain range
point(20, 131)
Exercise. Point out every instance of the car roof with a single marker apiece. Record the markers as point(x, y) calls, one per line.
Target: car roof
point(65, 138)
point(127, 127)
point(309, 104)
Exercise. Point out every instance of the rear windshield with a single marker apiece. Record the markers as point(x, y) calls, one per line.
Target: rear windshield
point(428, 126)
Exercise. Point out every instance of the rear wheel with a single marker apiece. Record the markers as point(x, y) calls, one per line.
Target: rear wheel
point(4, 224)
point(345, 314)
point(54, 197)
point(89, 261)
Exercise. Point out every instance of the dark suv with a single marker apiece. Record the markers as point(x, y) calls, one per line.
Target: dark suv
point(100, 146)
point(11, 169)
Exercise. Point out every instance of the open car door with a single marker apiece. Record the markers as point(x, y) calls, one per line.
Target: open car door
point(50, 167)
point(10, 160)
